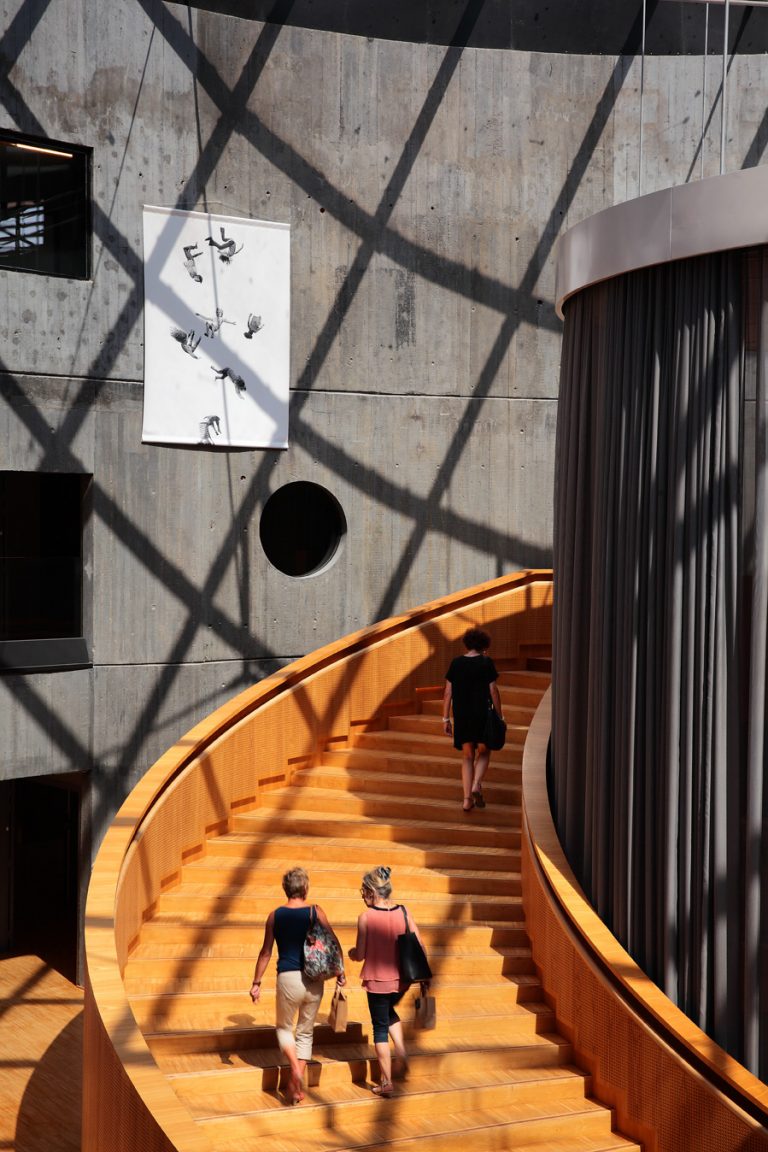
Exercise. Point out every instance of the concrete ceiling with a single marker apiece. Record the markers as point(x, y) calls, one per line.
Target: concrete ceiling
point(600, 27)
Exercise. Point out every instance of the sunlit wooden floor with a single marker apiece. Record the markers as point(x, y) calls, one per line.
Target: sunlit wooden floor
point(41, 1031)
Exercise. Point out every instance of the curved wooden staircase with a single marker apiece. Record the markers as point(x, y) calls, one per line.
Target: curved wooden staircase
point(494, 1074)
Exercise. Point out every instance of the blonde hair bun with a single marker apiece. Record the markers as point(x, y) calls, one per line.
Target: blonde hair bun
point(377, 880)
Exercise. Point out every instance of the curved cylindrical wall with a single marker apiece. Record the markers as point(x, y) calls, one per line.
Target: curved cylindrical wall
point(659, 636)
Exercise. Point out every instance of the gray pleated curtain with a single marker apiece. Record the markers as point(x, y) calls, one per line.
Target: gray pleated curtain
point(661, 612)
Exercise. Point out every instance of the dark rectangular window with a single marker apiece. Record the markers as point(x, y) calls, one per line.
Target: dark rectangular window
point(41, 568)
point(44, 207)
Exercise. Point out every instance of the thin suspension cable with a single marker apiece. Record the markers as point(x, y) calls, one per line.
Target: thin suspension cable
point(642, 91)
point(704, 91)
point(725, 82)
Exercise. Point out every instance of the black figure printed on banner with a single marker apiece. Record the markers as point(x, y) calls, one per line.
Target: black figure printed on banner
point(209, 426)
point(188, 341)
point(255, 324)
point(226, 248)
point(213, 323)
point(190, 255)
point(230, 374)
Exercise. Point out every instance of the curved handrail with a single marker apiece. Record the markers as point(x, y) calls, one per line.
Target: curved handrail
point(678, 1046)
point(220, 767)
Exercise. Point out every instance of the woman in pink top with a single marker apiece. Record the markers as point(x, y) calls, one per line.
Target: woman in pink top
point(377, 931)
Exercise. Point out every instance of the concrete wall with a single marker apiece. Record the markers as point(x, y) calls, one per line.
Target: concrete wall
point(426, 187)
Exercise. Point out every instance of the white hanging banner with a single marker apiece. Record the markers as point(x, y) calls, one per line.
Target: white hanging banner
point(216, 330)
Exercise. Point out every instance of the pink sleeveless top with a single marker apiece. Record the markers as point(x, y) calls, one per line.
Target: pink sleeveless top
point(382, 927)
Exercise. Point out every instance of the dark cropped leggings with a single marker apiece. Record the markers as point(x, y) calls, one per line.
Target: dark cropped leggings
point(382, 1005)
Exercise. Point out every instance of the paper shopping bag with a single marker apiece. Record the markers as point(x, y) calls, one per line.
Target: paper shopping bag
point(426, 1013)
point(339, 1013)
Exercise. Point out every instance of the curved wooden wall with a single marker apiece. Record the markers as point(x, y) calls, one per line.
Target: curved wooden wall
point(672, 1087)
point(221, 766)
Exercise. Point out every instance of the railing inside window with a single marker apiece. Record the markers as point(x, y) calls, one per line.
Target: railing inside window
point(24, 229)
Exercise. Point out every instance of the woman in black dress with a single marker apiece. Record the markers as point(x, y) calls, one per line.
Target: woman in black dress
point(469, 682)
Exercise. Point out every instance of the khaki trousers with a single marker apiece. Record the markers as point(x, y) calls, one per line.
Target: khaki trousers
point(297, 996)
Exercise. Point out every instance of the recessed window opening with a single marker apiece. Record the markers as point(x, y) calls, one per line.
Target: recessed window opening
point(44, 207)
point(40, 555)
point(301, 528)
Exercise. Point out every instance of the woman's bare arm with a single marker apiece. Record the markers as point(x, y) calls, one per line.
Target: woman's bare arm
point(447, 698)
point(264, 956)
point(358, 952)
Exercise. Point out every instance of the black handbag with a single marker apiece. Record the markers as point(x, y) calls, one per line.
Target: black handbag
point(411, 957)
point(494, 729)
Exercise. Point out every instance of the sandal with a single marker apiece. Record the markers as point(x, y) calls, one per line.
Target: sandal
point(479, 799)
point(383, 1089)
point(468, 804)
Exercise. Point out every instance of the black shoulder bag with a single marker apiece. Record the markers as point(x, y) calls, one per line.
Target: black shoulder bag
point(411, 957)
point(494, 729)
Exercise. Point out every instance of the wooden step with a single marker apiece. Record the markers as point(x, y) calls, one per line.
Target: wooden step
point(349, 778)
point(338, 878)
point(431, 902)
point(205, 1011)
point(516, 711)
point(483, 995)
point(519, 695)
point(413, 1115)
point(377, 805)
point(495, 1138)
point(253, 1088)
point(244, 1036)
point(206, 901)
point(423, 744)
point(476, 828)
point(240, 1092)
point(388, 760)
point(203, 938)
point(312, 849)
point(213, 1034)
point(536, 679)
point(430, 728)
point(346, 1062)
point(222, 973)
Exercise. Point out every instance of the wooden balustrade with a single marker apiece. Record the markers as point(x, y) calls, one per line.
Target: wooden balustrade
point(673, 1088)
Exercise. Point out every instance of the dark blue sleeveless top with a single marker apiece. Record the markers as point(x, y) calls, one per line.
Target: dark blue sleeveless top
point(290, 925)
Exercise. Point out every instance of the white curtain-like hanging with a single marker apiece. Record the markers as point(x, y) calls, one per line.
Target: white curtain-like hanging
point(216, 330)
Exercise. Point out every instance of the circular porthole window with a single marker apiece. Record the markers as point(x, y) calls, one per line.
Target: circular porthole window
point(301, 528)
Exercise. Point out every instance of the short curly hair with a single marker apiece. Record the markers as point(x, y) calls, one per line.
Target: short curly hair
point(475, 639)
point(295, 883)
